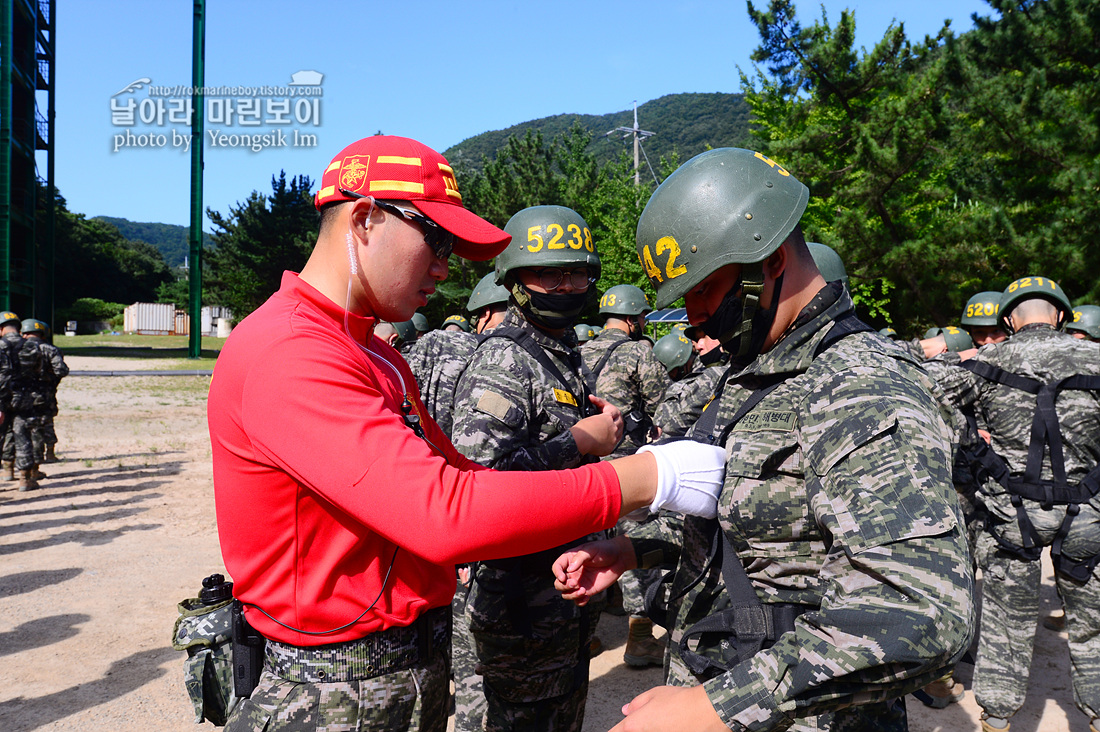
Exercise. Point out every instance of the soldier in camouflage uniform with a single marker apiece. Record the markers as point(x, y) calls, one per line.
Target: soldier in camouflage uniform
point(55, 370)
point(24, 386)
point(837, 513)
point(10, 343)
point(438, 360)
point(523, 404)
point(629, 376)
point(979, 318)
point(627, 373)
point(1033, 489)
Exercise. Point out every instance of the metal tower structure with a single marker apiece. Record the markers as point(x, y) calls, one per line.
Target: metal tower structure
point(27, 65)
point(638, 134)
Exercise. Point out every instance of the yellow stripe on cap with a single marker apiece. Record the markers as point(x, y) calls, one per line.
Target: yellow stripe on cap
point(398, 160)
point(446, 168)
point(334, 166)
point(396, 185)
point(326, 192)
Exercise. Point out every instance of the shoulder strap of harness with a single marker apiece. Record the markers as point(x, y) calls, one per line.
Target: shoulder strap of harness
point(1046, 435)
point(607, 355)
point(523, 339)
point(748, 625)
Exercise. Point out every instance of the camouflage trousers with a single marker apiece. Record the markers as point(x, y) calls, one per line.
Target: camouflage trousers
point(49, 435)
point(469, 694)
point(532, 650)
point(27, 441)
point(1010, 611)
point(338, 688)
point(636, 582)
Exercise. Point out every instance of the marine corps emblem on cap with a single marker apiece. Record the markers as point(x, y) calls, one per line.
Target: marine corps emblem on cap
point(353, 171)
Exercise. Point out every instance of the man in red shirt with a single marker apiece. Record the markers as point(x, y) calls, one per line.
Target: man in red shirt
point(342, 509)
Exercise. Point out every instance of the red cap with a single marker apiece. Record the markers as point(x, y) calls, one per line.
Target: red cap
point(397, 168)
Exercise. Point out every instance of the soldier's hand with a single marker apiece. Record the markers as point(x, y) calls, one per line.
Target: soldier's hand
point(593, 567)
point(601, 433)
point(670, 708)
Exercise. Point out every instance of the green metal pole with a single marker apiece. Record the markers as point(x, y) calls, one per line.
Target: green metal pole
point(6, 10)
point(198, 52)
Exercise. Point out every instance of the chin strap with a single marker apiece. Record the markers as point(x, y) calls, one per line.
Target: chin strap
point(752, 287)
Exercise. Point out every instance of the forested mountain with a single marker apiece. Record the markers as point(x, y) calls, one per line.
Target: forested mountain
point(169, 239)
point(686, 123)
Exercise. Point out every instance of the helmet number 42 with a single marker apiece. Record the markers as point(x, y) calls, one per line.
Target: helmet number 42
point(672, 270)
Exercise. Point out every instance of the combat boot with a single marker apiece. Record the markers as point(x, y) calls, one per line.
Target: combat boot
point(943, 691)
point(642, 649)
point(1055, 622)
point(994, 724)
point(27, 481)
point(38, 474)
point(7, 467)
point(51, 457)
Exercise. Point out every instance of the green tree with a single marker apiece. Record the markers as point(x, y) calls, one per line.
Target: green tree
point(257, 241)
point(870, 133)
point(1028, 133)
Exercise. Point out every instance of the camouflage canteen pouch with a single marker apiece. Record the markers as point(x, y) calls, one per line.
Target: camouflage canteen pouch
point(204, 630)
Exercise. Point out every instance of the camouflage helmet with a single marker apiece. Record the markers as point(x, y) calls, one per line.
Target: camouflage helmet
point(981, 310)
point(487, 292)
point(584, 332)
point(406, 331)
point(1026, 288)
point(957, 339)
point(1086, 319)
point(828, 262)
point(30, 325)
point(723, 206)
point(673, 350)
point(420, 322)
point(624, 300)
point(9, 318)
point(547, 236)
point(932, 332)
point(890, 333)
point(458, 320)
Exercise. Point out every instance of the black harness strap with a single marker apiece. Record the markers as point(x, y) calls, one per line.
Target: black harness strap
point(607, 355)
point(1046, 436)
point(748, 625)
point(523, 339)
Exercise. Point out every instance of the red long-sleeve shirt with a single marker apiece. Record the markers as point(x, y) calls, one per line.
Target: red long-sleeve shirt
point(318, 481)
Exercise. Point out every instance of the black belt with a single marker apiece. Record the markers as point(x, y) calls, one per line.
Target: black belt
point(383, 652)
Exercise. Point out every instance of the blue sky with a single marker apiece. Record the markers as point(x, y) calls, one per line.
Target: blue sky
point(438, 72)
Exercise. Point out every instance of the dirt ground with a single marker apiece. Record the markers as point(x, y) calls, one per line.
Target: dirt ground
point(123, 528)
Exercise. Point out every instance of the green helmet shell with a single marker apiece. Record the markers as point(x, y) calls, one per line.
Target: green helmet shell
point(957, 339)
point(723, 206)
point(673, 350)
point(458, 320)
point(981, 310)
point(420, 322)
point(9, 318)
point(624, 300)
point(406, 331)
point(1029, 287)
point(679, 328)
point(1086, 319)
point(30, 325)
point(487, 292)
point(932, 332)
point(828, 262)
point(890, 333)
point(547, 236)
point(584, 332)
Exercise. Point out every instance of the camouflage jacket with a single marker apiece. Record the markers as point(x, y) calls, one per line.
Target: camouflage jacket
point(684, 400)
point(437, 360)
point(510, 414)
point(837, 496)
point(56, 367)
point(1038, 352)
point(632, 379)
point(24, 370)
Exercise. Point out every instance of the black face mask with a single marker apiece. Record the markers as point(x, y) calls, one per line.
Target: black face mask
point(726, 320)
point(712, 356)
point(551, 311)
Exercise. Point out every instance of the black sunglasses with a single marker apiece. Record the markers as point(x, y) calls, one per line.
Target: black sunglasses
point(439, 239)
